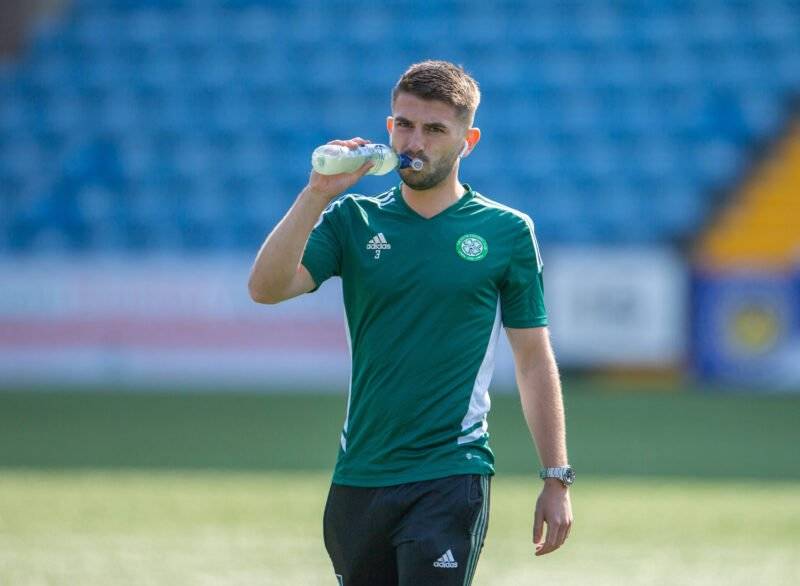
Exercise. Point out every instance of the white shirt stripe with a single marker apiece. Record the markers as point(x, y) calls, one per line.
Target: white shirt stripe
point(343, 436)
point(479, 402)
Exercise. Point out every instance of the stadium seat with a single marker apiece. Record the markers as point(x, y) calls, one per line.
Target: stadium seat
point(609, 123)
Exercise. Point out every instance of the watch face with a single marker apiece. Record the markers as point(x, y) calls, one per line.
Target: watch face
point(569, 476)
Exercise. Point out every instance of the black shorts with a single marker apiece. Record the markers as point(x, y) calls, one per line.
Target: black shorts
point(421, 533)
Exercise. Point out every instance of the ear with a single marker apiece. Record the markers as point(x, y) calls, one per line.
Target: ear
point(389, 124)
point(473, 136)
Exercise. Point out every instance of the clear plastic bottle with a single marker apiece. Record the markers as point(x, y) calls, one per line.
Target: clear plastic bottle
point(331, 159)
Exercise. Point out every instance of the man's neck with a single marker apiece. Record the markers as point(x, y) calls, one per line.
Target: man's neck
point(430, 202)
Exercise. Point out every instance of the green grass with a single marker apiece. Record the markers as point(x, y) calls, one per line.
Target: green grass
point(119, 528)
point(123, 488)
point(609, 433)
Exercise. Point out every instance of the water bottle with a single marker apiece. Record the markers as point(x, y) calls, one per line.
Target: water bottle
point(331, 159)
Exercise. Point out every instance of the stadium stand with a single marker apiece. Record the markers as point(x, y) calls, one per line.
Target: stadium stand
point(142, 125)
point(760, 227)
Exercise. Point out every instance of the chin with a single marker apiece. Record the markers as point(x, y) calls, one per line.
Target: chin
point(416, 182)
point(417, 185)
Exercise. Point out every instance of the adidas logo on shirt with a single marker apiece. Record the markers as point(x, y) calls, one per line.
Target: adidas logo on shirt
point(446, 561)
point(378, 243)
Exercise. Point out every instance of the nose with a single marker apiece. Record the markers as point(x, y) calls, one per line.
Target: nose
point(415, 143)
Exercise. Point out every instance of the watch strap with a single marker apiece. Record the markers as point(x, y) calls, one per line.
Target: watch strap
point(564, 473)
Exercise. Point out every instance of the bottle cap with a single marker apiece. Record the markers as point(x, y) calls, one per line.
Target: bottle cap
point(406, 161)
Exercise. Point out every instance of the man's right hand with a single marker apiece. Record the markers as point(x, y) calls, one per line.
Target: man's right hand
point(329, 186)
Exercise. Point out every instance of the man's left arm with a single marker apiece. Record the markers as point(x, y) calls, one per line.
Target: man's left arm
point(543, 407)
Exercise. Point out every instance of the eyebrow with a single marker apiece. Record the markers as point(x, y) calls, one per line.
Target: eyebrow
point(426, 125)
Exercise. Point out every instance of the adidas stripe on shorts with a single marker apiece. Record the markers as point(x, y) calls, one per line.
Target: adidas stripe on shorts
point(428, 532)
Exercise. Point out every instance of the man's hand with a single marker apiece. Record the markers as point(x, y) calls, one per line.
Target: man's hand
point(329, 186)
point(553, 508)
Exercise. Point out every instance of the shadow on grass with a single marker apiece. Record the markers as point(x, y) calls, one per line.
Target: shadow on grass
point(681, 434)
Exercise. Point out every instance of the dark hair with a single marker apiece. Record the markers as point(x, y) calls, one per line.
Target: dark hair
point(443, 81)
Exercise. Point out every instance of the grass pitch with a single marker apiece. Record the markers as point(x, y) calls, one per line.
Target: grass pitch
point(123, 528)
point(117, 489)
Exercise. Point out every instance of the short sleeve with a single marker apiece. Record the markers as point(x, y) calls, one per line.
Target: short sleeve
point(522, 287)
point(323, 253)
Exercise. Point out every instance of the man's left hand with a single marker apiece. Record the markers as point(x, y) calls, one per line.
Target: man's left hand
point(554, 509)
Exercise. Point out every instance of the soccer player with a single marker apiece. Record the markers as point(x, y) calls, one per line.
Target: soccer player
point(431, 270)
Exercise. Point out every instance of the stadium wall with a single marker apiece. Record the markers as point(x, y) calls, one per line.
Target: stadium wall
point(746, 328)
point(155, 322)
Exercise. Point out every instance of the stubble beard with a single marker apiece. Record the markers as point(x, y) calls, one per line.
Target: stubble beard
point(431, 175)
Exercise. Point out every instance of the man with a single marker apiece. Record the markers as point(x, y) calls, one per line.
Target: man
point(431, 269)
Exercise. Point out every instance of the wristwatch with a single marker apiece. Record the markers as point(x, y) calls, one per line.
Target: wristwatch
point(564, 473)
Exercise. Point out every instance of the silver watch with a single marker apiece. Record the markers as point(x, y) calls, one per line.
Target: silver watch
point(564, 473)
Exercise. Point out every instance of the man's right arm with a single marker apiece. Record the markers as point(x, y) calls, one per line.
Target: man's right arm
point(277, 273)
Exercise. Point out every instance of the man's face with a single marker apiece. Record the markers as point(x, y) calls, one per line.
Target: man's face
point(428, 130)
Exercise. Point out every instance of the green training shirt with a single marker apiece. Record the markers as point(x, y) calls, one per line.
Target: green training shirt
point(424, 302)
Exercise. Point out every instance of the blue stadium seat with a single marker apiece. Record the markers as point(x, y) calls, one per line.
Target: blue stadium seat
point(154, 118)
